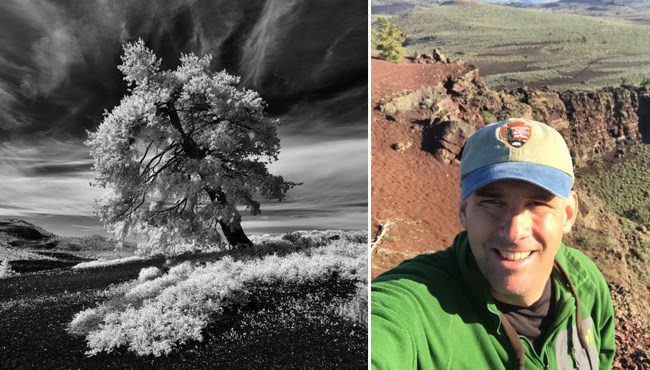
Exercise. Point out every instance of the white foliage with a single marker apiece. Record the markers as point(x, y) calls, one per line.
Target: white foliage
point(149, 273)
point(156, 316)
point(5, 270)
point(87, 320)
point(104, 263)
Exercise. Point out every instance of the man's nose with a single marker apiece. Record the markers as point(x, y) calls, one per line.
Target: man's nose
point(516, 225)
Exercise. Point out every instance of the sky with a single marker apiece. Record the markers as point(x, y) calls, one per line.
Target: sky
point(58, 74)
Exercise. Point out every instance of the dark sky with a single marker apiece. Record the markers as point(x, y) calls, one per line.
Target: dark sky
point(308, 60)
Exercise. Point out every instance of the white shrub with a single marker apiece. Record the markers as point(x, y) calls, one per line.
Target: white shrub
point(104, 263)
point(181, 270)
point(151, 288)
point(149, 273)
point(87, 320)
point(5, 270)
point(161, 312)
point(150, 330)
point(354, 308)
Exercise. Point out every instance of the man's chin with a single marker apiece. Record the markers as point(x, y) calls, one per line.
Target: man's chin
point(511, 293)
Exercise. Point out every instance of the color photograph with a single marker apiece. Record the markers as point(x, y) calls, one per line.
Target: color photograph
point(509, 161)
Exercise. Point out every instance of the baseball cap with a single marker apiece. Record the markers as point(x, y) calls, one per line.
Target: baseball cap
point(517, 149)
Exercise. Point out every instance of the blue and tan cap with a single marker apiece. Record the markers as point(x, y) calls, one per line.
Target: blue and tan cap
point(517, 149)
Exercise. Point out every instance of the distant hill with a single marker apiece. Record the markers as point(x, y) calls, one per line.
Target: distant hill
point(22, 234)
point(631, 10)
point(31, 248)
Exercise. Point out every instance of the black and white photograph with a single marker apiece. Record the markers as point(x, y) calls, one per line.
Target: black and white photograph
point(183, 184)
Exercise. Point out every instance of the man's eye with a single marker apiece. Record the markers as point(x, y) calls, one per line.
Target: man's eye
point(492, 202)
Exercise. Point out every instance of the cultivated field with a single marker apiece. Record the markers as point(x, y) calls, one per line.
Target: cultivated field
point(294, 301)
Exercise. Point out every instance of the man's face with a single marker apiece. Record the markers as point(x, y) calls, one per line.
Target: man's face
point(515, 229)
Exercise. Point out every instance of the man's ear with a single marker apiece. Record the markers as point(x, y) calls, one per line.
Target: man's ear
point(462, 216)
point(570, 212)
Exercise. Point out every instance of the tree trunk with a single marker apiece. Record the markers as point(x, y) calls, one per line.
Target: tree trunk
point(235, 235)
point(232, 231)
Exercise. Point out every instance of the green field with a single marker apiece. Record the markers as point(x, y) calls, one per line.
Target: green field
point(515, 46)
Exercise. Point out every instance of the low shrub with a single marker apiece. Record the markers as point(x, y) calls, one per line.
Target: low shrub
point(86, 321)
point(488, 117)
point(5, 270)
point(155, 316)
point(149, 273)
point(104, 263)
point(356, 308)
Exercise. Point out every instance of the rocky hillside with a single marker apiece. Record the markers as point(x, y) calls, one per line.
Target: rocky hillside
point(423, 113)
point(594, 123)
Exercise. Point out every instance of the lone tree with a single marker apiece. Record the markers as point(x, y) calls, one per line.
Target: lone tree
point(180, 152)
point(388, 39)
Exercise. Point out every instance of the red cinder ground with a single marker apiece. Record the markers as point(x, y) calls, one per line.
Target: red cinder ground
point(412, 192)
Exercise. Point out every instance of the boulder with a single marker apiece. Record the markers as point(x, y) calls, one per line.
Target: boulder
point(427, 98)
point(439, 57)
point(465, 84)
point(448, 138)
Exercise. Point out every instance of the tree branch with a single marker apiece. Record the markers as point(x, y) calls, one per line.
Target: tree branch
point(175, 206)
point(129, 209)
point(145, 153)
point(190, 146)
point(150, 167)
point(156, 172)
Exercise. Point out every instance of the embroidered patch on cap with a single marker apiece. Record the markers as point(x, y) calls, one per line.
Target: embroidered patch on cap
point(515, 133)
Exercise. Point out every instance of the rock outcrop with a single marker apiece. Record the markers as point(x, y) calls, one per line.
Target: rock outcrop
point(595, 124)
point(435, 57)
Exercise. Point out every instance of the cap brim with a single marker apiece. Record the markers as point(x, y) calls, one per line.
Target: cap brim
point(547, 178)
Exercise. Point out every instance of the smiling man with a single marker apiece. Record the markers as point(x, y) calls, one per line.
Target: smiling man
point(507, 293)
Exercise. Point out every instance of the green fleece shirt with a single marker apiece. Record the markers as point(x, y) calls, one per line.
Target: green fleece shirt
point(436, 312)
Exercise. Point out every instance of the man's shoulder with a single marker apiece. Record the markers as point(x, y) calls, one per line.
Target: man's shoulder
point(439, 272)
point(577, 261)
point(424, 268)
point(582, 270)
point(425, 288)
point(432, 279)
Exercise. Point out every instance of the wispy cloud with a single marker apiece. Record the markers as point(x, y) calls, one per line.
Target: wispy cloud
point(43, 157)
point(45, 177)
point(276, 19)
point(334, 177)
